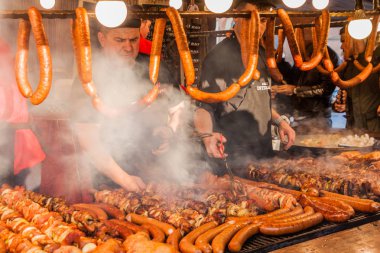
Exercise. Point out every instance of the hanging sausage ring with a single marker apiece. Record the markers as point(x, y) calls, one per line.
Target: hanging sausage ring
point(347, 51)
point(186, 59)
point(82, 48)
point(294, 47)
point(370, 47)
point(271, 52)
point(365, 72)
point(44, 57)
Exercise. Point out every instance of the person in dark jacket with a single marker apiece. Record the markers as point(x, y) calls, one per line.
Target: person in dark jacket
point(311, 93)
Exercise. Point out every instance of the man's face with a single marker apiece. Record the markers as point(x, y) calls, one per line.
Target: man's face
point(121, 44)
point(145, 28)
point(263, 21)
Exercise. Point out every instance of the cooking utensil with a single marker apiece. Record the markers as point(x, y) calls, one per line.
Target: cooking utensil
point(229, 171)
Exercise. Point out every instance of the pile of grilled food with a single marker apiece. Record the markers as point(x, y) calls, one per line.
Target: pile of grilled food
point(204, 217)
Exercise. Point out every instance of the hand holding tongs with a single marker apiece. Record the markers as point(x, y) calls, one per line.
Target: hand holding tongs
point(221, 150)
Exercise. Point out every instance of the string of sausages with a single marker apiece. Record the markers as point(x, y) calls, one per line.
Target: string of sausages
point(249, 40)
point(44, 57)
point(249, 53)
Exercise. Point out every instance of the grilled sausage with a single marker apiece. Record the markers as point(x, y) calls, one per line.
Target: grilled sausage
point(372, 39)
point(359, 78)
point(289, 32)
point(100, 214)
point(242, 236)
point(253, 50)
point(362, 205)
point(300, 37)
point(156, 234)
point(221, 240)
point(330, 212)
point(135, 228)
point(294, 47)
point(307, 211)
point(291, 226)
point(21, 60)
point(44, 57)
point(203, 241)
point(217, 97)
point(151, 96)
point(257, 218)
point(370, 46)
point(187, 243)
point(271, 53)
point(82, 31)
point(111, 210)
point(244, 40)
point(139, 219)
point(182, 45)
point(174, 239)
point(155, 55)
point(280, 48)
point(322, 45)
point(123, 231)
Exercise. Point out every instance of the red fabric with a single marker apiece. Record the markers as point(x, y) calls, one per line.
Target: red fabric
point(28, 151)
point(14, 110)
point(145, 46)
point(61, 172)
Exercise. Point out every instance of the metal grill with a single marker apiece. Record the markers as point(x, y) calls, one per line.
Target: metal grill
point(264, 243)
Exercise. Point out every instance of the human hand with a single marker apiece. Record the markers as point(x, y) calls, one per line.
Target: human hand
point(287, 134)
point(165, 134)
point(273, 91)
point(339, 107)
point(132, 183)
point(286, 89)
point(213, 144)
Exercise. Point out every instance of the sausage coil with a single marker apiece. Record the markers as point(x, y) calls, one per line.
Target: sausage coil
point(44, 57)
point(182, 45)
point(294, 47)
point(155, 55)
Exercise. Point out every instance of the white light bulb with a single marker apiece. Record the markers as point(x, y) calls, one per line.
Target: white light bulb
point(218, 6)
point(320, 4)
point(111, 13)
point(176, 4)
point(294, 3)
point(360, 28)
point(47, 4)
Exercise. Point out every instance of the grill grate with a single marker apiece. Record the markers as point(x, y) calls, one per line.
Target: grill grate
point(264, 243)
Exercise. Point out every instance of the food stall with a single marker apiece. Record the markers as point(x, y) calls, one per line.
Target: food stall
point(318, 196)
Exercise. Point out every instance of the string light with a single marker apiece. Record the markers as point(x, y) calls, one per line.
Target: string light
point(218, 6)
point(320, 4)
point(111, 13)
point(47, 4)
point(294, 3)
point(176, 4)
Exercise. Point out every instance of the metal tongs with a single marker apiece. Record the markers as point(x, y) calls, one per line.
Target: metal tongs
point(231, 175)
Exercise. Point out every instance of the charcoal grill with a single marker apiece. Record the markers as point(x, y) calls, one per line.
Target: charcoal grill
point(264, 243)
